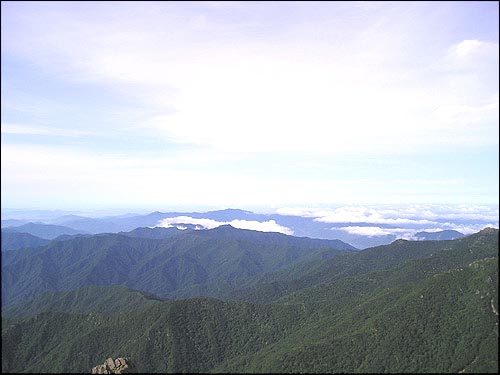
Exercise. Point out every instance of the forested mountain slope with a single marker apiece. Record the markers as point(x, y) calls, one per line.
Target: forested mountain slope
point(222, 256)
point(106, 300)
point(433, 311)
point(15, 241)
point(274, 285)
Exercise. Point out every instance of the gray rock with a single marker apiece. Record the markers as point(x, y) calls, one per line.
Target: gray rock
point(110, 363)
point(117, 366)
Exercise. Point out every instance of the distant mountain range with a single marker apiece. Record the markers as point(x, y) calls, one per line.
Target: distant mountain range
point(300, 305)
point(46, 231)
point(299, 226)
point(438, 236)
point(13, 223)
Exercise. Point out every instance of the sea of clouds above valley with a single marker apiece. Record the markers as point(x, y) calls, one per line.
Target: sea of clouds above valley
point(403, 220)
point(372, 221)
point(265, 226)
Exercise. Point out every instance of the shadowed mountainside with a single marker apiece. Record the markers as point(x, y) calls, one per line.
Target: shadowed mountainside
point(429, 306)
point(216, 261)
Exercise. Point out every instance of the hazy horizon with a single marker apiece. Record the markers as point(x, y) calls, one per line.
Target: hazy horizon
point(340, 221)
point(124, 210)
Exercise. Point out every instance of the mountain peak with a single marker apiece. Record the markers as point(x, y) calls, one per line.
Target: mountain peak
point(232, 211)
point(225, 227)
point(488, 230)
point(399, 241)
point(235, 210)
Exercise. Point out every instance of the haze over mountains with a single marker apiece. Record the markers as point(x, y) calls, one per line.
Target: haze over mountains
point(46, 231)
point(441, 235)
point(359, 226)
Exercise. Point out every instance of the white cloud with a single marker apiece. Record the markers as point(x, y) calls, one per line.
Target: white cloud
point(318, 82)
point(372, 231)
point(365, 215)
point(476, 123)
point(409, 234)
point(470, 60)
point(473, 48)
point(410, 219)
point(407, 215)
point(265, 226)
point(246, 96)
point(431, 230)
point(470, 228)
point(300, 211)
point(206, 223)
point(64, 175)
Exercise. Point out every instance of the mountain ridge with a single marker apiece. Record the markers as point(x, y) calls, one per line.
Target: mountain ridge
point(45, 231)
point(434, 312)
point(158, 266)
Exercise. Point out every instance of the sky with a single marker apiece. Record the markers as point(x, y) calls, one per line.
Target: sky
point(171, 105)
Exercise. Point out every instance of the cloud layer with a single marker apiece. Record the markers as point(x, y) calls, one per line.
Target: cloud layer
point(266, 226)
point(403, 221)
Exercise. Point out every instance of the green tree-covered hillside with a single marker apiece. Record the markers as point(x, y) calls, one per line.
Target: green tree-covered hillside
point(433, 311)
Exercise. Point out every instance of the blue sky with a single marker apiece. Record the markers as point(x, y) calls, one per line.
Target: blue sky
point(246, 104)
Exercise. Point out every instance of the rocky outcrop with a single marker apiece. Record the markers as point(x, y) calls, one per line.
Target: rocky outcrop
point(117, 366)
